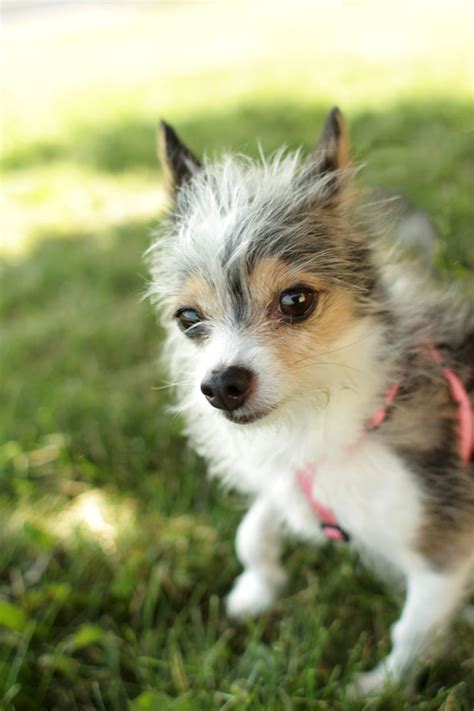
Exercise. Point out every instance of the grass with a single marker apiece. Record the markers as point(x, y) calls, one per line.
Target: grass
point(116, 551)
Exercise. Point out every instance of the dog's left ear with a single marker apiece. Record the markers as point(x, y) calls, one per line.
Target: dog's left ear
point(179, 163)
point(331, 153)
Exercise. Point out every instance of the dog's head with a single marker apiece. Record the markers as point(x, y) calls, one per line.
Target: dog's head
point(264, 275)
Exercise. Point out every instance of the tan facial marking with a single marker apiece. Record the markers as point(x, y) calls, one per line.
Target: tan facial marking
point(295, 345)
point(198, 292)
point(301, 342)
point(305, 343)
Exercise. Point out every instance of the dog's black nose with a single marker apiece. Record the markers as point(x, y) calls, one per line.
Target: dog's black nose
point(228, 389)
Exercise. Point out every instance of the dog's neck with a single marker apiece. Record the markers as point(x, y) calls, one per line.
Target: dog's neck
point(357, 381)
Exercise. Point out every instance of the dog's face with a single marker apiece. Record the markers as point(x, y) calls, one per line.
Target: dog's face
point(263, 276)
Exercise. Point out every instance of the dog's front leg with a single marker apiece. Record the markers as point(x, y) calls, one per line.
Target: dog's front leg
point(431, 600)
point(258, 548)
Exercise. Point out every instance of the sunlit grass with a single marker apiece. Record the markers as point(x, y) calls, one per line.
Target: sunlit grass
point(67, 197)
point(115, 550)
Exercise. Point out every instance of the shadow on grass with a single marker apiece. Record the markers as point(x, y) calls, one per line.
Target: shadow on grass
point(79, 359)
point(96, 622)
point(423, 149)
point(78, 362)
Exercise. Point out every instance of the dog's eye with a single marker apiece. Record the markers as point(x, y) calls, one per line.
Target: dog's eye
point(297, 303)
point(189, 321)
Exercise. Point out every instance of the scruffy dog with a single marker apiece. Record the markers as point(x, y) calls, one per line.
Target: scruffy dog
point(319, 380)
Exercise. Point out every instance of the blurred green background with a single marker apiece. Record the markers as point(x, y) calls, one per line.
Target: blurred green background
point(116, 551)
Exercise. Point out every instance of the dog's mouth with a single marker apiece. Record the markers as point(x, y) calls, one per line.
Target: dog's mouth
point(250, 417)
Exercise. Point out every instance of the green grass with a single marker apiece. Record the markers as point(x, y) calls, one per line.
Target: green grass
point(116, 551)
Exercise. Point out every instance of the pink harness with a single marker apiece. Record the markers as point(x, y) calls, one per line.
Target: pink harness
point(465, 415)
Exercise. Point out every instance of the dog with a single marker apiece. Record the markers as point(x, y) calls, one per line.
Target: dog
point(329, 383)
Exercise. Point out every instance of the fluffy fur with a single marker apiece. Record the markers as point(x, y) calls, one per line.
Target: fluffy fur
point(240, 233)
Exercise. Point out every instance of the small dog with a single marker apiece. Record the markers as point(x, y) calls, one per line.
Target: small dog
point(331, 387)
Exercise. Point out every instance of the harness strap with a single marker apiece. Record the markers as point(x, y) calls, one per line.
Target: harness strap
point(465, 412)
point(329, 524)
point(379, 415)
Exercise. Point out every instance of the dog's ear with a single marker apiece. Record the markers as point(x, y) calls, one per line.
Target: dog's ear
point(179, 163)
point(331, 153)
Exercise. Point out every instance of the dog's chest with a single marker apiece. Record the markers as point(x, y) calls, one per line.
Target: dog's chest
point(367, 488)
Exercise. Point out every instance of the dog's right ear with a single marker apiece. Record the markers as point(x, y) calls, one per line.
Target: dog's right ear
point(179, 163)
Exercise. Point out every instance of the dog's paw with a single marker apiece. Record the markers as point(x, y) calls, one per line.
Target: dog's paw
point(369, 683)
point(254, 592)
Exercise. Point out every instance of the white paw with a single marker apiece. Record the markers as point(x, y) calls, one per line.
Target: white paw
point(370, 682)
point(254, 592)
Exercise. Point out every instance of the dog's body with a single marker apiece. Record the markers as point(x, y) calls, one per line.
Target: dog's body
point(297, 333)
